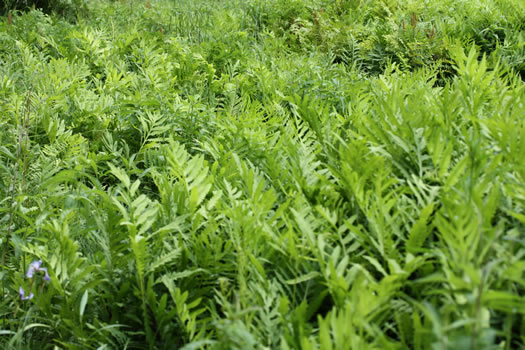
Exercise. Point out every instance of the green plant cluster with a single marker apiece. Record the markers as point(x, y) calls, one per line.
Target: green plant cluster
point(66, 8)
point(372, 34)
point(281, 174)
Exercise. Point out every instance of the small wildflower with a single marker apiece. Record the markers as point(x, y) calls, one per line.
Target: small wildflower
point(46, 275)
point(35, 266)
point(22, 293)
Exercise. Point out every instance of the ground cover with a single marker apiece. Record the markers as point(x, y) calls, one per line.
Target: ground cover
point(263, 175)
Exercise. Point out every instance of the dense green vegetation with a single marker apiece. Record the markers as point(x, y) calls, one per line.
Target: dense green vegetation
point(62, 7)
point(263, 174)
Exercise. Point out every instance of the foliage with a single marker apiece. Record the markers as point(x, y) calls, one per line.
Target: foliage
point(68, 9)
point(302, 174)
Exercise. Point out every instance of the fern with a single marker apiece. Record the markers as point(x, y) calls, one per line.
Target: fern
point(294, 174)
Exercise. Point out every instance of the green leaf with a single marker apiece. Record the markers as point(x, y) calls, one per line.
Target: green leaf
point(83, 303)
point(304, 278)
point(420, 230)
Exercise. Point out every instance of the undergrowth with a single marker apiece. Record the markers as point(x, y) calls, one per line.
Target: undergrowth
point(276, 174)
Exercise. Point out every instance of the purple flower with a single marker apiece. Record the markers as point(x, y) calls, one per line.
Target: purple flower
point(34, 267)
point(46, 275)
point(22, 293)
